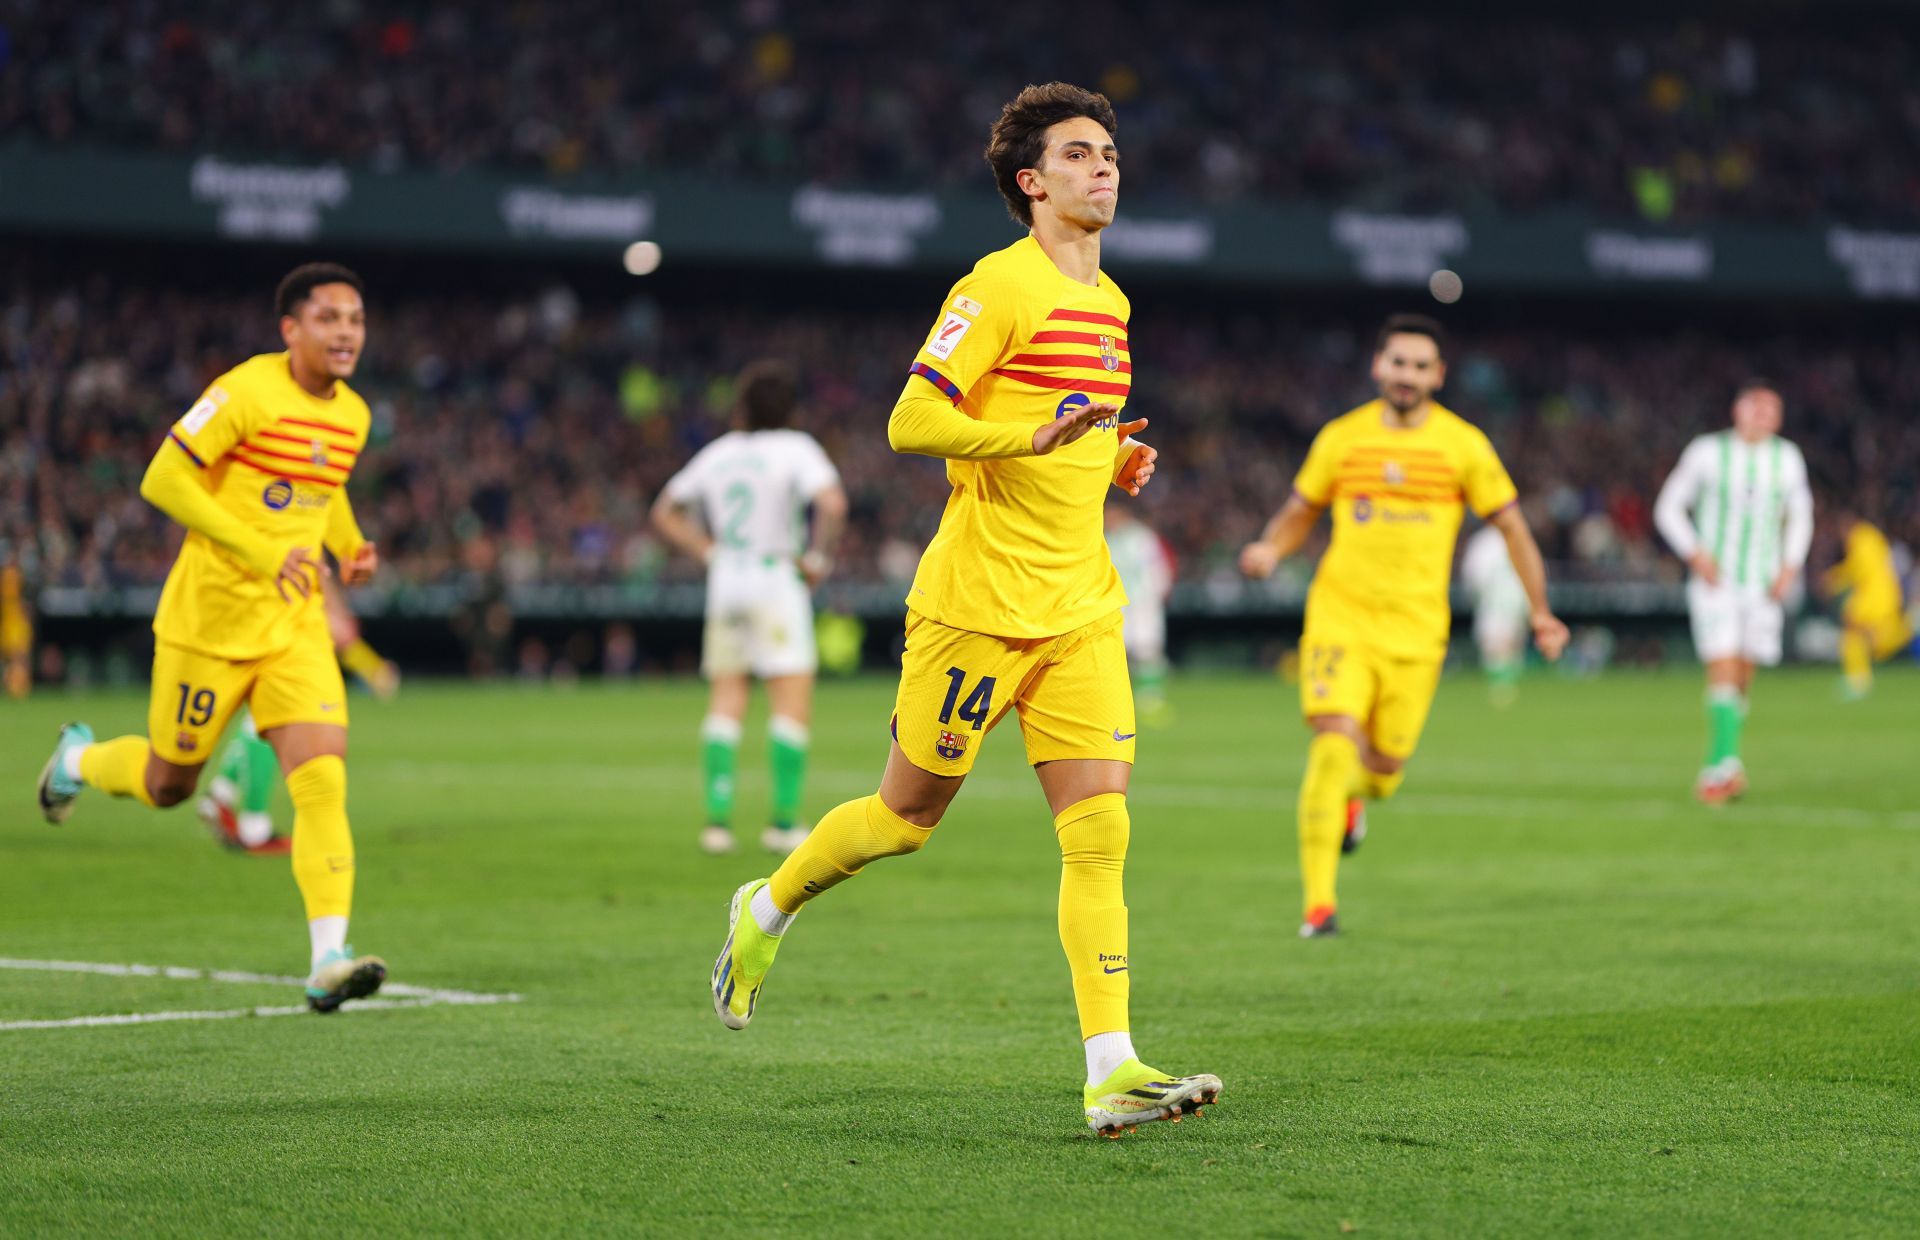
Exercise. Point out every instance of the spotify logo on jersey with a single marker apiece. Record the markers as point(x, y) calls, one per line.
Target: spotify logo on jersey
point(278, 495)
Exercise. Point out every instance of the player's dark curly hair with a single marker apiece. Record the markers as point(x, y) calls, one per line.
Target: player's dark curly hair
point(1412, 325)
point(768, 391)
point(1019, 137)
point(302, 280)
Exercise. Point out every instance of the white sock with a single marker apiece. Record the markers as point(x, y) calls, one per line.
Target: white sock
point(329, 934)
point(1105, 1052)
point(720, 728)
point(70, 760)
point(767, 914)
point(256, 827)
point(792, 731)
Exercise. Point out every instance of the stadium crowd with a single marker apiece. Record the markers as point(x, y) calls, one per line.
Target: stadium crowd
point(530, 434)
point(1744, 114)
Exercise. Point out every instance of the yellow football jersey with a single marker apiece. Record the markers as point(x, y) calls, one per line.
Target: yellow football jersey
point(1867, 574)
point(276, 457)
point(1021, 551)
point(1397, 497)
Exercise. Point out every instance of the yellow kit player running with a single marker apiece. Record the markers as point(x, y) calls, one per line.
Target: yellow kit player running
point(1397, 472)
point(256, 470)
point(1016, 604)
point(1876, 623)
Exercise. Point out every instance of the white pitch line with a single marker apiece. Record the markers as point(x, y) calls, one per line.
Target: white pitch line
point(401, 995)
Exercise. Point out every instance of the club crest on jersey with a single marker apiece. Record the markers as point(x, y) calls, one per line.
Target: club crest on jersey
point(1109, 355)
point(1395, 472)
point(951, 745)
point(278, 495)
point(319, 456)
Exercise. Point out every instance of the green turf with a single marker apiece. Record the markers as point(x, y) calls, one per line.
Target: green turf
point(1568, 1002)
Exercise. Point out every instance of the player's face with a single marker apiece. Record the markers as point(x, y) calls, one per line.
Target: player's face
point(1079, 175)
point(327, 331)
point(1408, 370)
point(1757, 414)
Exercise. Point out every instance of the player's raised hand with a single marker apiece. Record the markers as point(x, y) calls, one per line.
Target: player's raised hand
point(361, 567)
point(1138, 468)
point(1549, 634)
point(299, 570)
point(1258, 559)
point(1064, 430)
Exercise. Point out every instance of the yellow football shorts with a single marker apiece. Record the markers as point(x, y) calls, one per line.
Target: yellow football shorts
point(195, 694)
point(1390, 696)
point(1073, 693)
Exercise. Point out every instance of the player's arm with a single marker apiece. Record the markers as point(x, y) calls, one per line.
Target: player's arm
point(175, 484)
point(358, 558)
point(829, 522)
point(674, 520)
point(1671, 512)
point(1548, 631)
point(1282, 536)
point(1797, 541)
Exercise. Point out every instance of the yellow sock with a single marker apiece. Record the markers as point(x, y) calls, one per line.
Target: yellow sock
point(1333, 770)
point(1378, 787)
point(1093, 910)
point(118, 766)
point(363, 661)
point(322, 841)
point(839, 846)
point(1856, 658)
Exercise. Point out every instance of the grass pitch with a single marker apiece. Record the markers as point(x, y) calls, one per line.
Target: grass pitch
point(1567, 1001)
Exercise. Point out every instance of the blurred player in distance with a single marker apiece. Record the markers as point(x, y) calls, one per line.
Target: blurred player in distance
point(1500, 611)
point(256, 470)
point(1873, 616)
point(236, 804)
point(751, 489)
point(16, 634)
point(1738, 509)
point(1397, 472)
point(1146, 568)
point(1015, 605)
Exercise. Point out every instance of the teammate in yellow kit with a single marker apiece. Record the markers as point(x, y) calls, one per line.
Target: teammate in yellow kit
point(256, 470)
point(1875, 624)
point(1016, 604)
point(1397, 472)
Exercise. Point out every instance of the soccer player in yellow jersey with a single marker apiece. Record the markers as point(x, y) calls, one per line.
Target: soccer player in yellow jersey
point(1397, 472)
point(256, 471)
point(1016, 604)
point(1876, 624)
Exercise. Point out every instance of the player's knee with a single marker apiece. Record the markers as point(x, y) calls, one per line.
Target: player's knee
point(168, 785)
point(895, 834)
point(1096, 830)
point(1378, 763)
point(319, 783)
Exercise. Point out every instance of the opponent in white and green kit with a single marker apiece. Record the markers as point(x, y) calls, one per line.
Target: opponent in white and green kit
point(1739, 511)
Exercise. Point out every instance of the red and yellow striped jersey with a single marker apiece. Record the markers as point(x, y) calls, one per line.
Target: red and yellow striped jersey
point(277, 457)
point(1397, 497)
point(1021, 550)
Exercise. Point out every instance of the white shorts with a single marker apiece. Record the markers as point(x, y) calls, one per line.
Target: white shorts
point(1734, 622)
point(1495, 629)
point(1144, 631)
point(759, 620)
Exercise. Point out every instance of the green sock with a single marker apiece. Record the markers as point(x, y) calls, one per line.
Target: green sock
point(1725, 713)
point(719, 751)
point(1505, 672)
point(263, 769)
point(1150, 682)
point(787, 745)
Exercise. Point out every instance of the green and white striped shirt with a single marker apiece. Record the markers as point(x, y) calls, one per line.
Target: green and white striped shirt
point(1747, 505)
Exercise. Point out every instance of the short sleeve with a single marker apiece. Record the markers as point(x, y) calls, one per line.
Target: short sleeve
point(970, 336)
point(684, 487)
point(1486, 484)
point(814, 472)
point(1314, 482)
point(221, 419)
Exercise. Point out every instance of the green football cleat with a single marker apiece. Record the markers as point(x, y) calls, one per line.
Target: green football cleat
point(744, 961)
point(57, 788)
point(1136, 1094)
point(343, 976)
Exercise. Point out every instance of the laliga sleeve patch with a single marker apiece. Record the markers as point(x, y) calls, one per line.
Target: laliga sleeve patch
point(197, 417)
point(947, 336)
